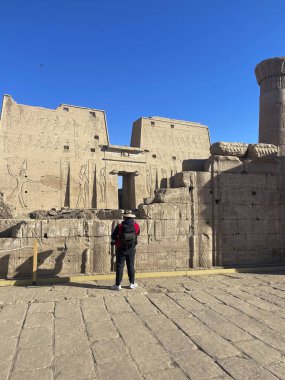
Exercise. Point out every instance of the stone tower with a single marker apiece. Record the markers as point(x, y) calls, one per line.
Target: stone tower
point(270, 75)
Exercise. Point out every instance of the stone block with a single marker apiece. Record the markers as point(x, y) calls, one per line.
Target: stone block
point(267, 212)
point(246, 257)
point(240, 181)
point(262, 166)
point(7, 226)
point(262, 150)
point(170, 229)
point(198, 365)
point(124, 369)
point(228, 149)
point(143, 223)
point(276, 182)
point(184, 179)
point(109, 351)
point(33, 358)
point(147, 201)
point(236, 196)
point(175, 340)
point(215, 346)
point(62, 228)
point(244, 368)
point(97, 228)
point(159, 211)
point(260, 352)
point(228, 257)
point(227, 226)
point(203, 249)
point(225, 241)
point(236, 212)
point(142, 336)
point(192, 179)
point(258, 227)
point(110, 214)
point(79, 366)
point(204, 179)
point(27, 229)
point(166, 374)
point(102, 259)
point(150, 227)
point(220, 164)
point(203, 212)
point(205, 195)
point(177, 195)
point(204, 227)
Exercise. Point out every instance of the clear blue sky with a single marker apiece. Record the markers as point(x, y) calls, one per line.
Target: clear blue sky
point(184, 59)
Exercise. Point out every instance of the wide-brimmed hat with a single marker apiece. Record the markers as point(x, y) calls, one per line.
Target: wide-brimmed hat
point(128, 214)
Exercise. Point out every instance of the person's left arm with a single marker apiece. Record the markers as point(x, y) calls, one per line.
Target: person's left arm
point(115, 234)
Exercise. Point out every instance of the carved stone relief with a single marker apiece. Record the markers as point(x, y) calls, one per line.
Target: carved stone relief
point(149, 182)
point(102, 185)
point(83, 184)
point(21, 178)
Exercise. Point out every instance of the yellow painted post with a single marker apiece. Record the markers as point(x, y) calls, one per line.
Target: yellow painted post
point(35, 262)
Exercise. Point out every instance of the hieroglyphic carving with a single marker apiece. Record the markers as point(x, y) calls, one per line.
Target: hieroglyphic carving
point(148, 181)
point(21, 179)
point(272, 83)
point(281, 113)
point(102, 185)
point(83, 183)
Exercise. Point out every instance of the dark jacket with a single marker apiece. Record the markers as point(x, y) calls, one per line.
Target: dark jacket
point(116, 233)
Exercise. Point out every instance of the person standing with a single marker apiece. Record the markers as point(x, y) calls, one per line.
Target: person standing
point(124, 237)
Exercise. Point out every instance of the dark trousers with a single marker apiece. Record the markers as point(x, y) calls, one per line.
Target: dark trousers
point(121, 257)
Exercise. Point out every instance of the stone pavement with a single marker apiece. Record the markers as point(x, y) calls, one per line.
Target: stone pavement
point(200, 327)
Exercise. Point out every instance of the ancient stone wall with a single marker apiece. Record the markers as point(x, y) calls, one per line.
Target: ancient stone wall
point(247, 207)
point(53, 158)
point(230, 214)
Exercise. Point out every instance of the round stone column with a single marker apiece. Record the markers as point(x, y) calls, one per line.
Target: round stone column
point(270, 75)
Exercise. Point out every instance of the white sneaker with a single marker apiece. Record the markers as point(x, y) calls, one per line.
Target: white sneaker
point(133, 286)
point(116, 287)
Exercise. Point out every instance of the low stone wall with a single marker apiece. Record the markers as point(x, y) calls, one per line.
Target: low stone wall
point(77, 246)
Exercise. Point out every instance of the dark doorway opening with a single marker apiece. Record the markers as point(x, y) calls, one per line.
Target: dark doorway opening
point(126, 191)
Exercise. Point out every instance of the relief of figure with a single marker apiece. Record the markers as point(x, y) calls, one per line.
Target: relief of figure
point(83, 183)
point(56, 123)
point(77, 149)
point(66, 127)
point(102, 185)
point(49, 142)
point(87, 147)
point(76, 128)
point(21, 179)
point(30, 142)
point(57, 142)
point(9, 117)
point(148, 181)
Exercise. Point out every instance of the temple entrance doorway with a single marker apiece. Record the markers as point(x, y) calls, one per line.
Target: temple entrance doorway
point(126, 191)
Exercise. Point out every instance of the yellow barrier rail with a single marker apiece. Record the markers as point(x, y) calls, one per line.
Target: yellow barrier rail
point(101, 277)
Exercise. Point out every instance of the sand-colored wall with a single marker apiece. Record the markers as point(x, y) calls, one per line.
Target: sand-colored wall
point(53, 158)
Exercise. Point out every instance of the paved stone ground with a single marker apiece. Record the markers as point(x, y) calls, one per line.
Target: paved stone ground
point(217, 327)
